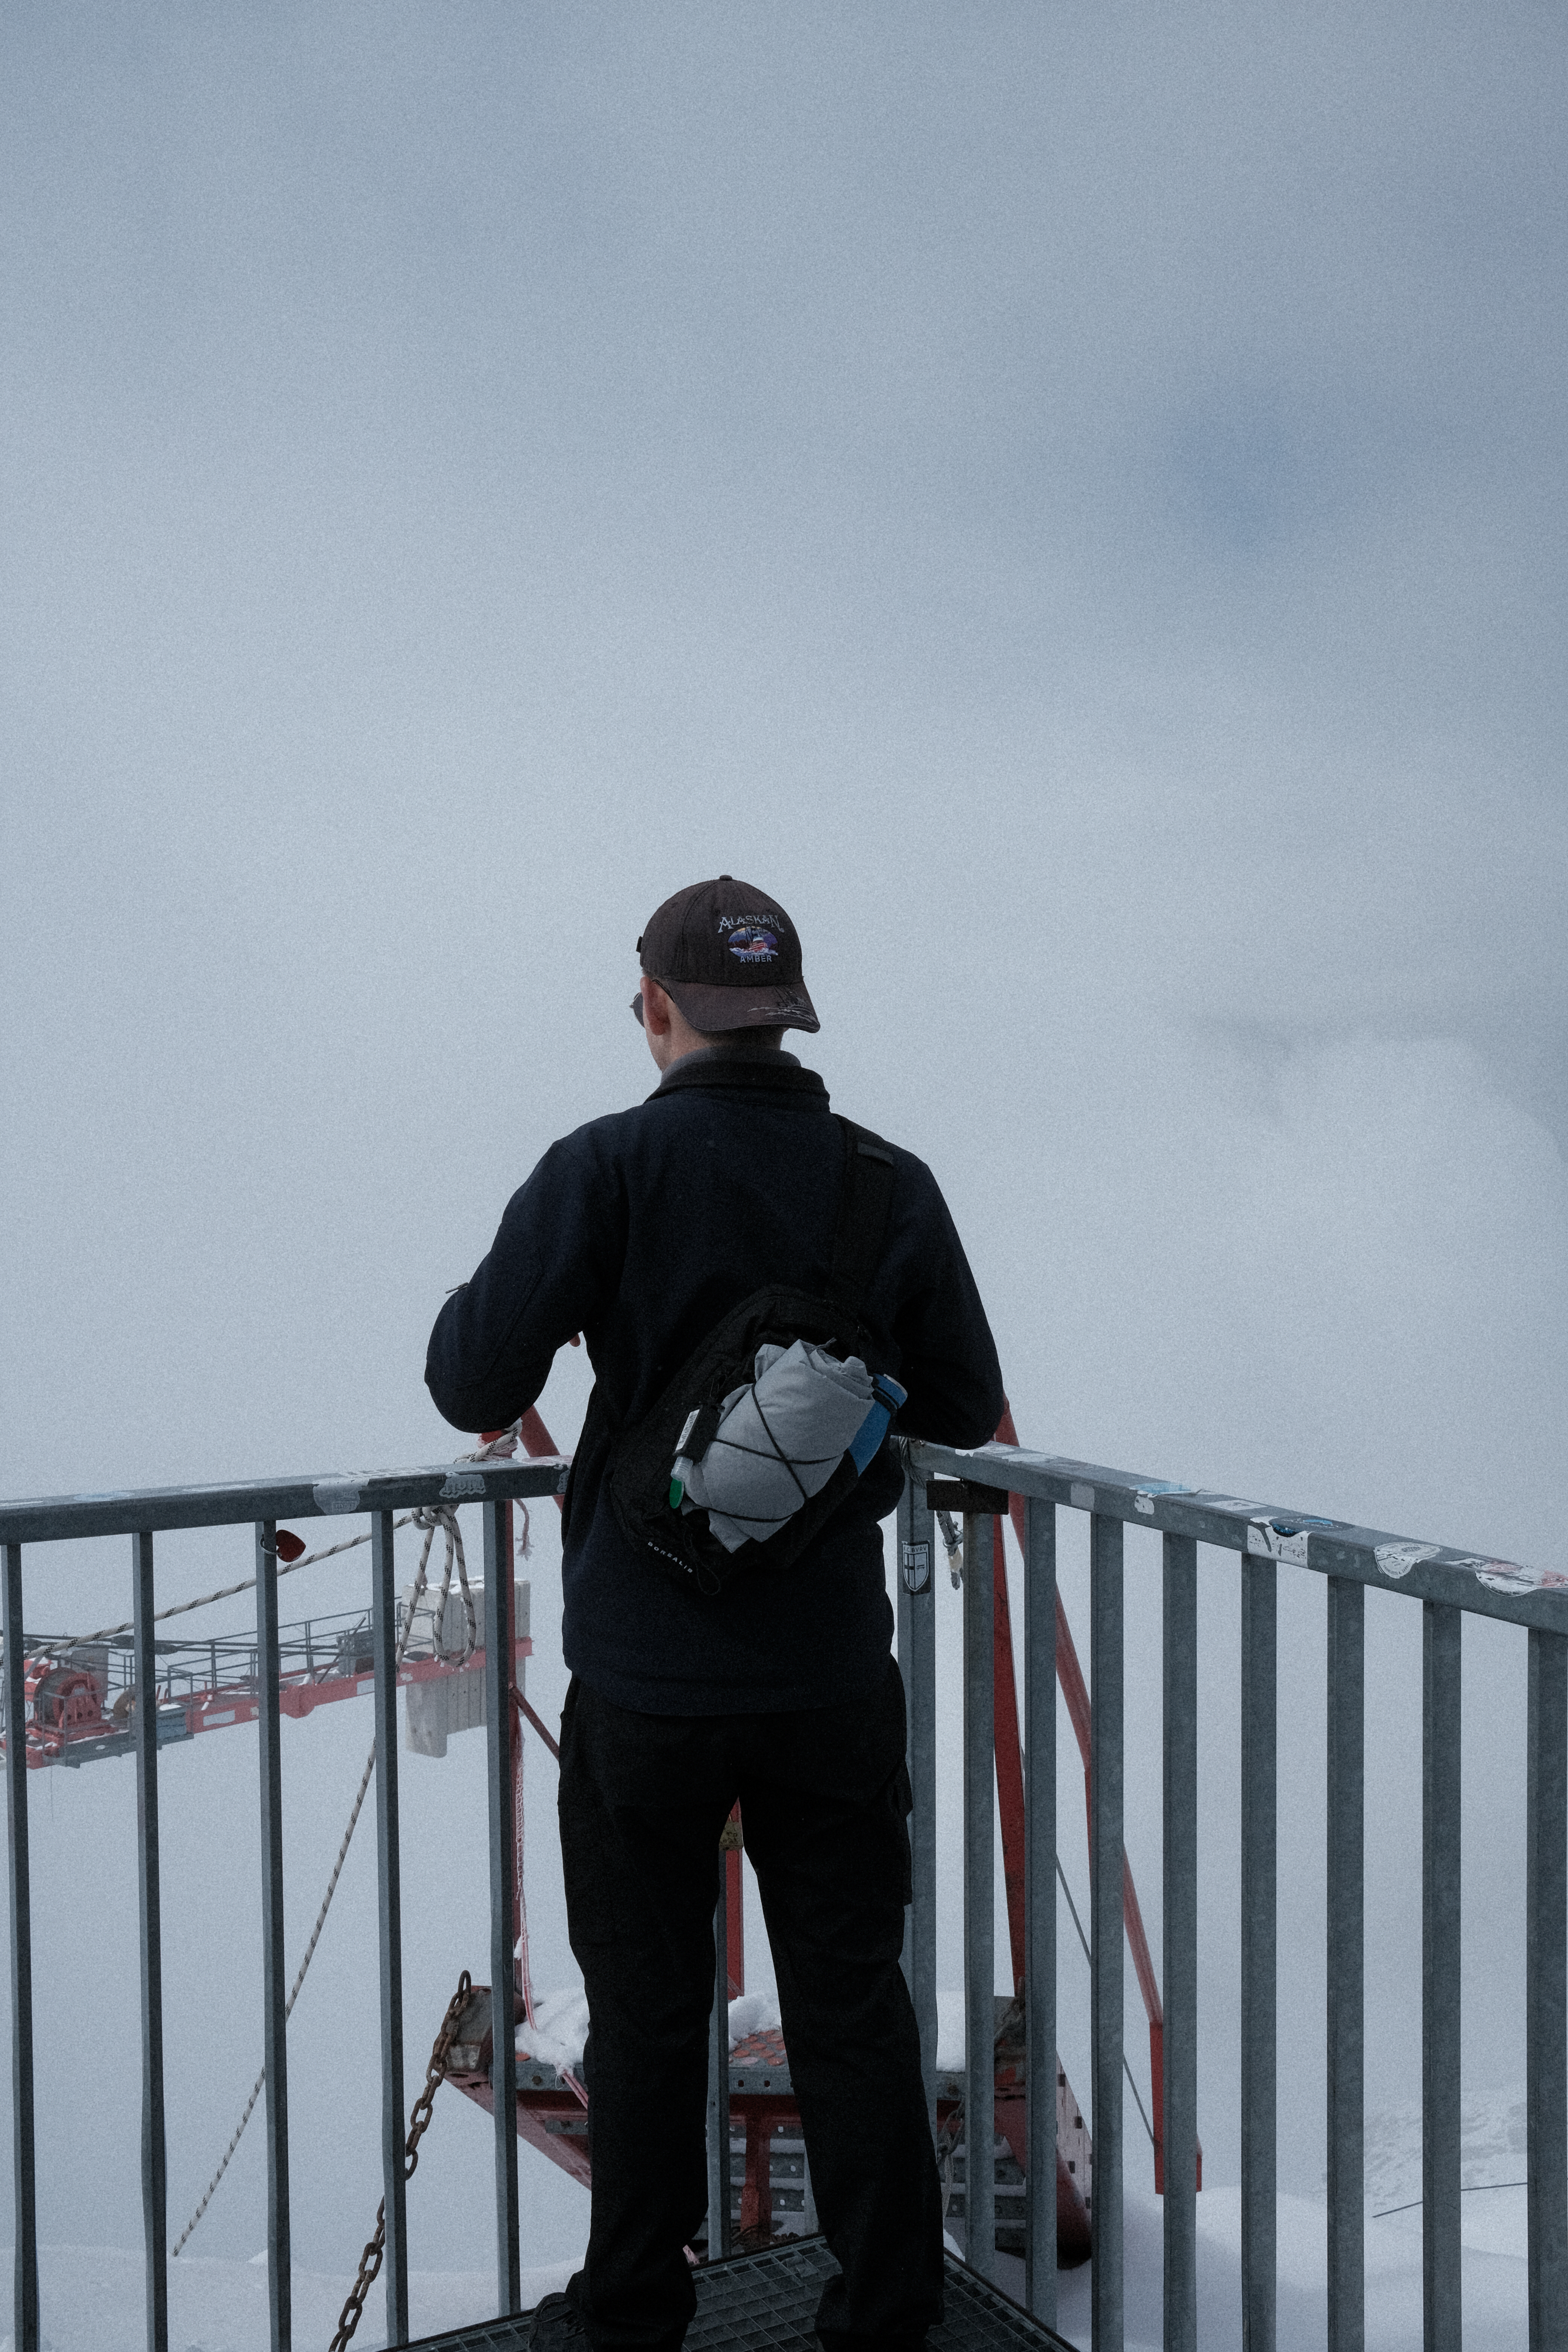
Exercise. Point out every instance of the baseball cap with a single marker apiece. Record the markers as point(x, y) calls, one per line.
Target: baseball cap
point(729, 957)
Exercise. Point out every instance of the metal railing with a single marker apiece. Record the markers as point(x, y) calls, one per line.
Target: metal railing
point(494, 1484)
point(1446, 1583)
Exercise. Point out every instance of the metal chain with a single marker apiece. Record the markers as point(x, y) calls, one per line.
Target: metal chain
point(370, 2262)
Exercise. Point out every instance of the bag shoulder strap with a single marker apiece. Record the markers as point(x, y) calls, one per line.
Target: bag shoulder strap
point(863, 1208)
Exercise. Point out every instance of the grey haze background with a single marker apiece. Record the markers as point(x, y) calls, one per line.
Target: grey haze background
point(1068, 499)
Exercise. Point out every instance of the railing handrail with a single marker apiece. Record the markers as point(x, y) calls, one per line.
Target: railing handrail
point(1265, 1537)
point(1389, 1562)
point(328, 1494)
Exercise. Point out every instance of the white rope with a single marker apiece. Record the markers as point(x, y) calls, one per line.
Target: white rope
point(438, 1515)
point(227, 1591)
point(500, 1448)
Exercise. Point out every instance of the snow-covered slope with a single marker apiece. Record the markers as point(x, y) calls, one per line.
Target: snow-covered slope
point(91, 2298)
point(1496, 2315)
point(90, 2301)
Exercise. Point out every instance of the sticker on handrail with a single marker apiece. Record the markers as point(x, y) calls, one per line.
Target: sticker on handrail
point(1081, 1497)
point(1510, 1576)
point(1145, 1495)
point(461, 1482)
point(334, 1496)
point(1285, 1539)
point(1397, 1560)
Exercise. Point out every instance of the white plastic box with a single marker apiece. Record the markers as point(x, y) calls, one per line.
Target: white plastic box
point(434, 1710)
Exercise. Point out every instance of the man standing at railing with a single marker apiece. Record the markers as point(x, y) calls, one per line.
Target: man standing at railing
point(642, 1231)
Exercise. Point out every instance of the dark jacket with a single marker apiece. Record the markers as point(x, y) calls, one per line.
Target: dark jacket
point(641, 1231)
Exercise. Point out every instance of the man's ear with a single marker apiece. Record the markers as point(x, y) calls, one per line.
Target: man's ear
point(655, 1008)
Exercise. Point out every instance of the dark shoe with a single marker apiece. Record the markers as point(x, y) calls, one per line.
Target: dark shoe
point(557, 2322)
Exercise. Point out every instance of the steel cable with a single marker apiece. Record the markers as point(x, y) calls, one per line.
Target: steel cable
point(441, 1516)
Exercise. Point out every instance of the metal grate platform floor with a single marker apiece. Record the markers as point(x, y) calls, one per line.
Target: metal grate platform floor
point(767, 2302)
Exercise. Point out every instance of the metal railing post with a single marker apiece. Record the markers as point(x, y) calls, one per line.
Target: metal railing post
point(1040, 1907)
point(1546, 1986)
point(1105, 1608)
point(979, 1897)
point(1441, 2142)
point(155, 2162)
point(1259, 1950)
point(718, 2077)
point(274, 1977)
point(1181, 1940)
point(500, 1730)
point(389, 1916)
point(24, 2180)
point(1346, 1963)
point(917, 1662)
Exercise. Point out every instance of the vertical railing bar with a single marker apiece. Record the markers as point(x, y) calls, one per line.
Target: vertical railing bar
point(1105, 1835)
point(718, 2219)
point(917, 1661)
point(274, 1978)
point(1442, 1627)
point(389, 1916)
point(155, 2159)
point(24, 2180)
point(1546, 1986)
point(1040, 1906)
point(979, 1896)
point(500, 1730)
point(1181, 1939)
point(1259, 1951)
point(1346, 1963)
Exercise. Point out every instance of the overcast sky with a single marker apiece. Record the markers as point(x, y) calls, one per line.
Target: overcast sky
point(1070, 499)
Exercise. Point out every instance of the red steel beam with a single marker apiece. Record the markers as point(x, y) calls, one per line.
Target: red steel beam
point(1069, 1675)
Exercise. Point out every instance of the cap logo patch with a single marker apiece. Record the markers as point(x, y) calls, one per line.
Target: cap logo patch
point(751, 944)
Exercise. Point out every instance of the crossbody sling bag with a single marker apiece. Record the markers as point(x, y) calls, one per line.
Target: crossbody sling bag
point(775, 1336)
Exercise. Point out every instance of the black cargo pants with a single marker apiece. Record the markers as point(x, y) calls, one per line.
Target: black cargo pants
point(824, 1801)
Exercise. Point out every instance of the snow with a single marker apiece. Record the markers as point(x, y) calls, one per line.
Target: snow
point(1496, 2309)
point(752, 2012)
point(560, 2025)
point(90, 2301)
point(1492, 2147)
point(91, 2298)
point(559, 2030)
point(950, 2042)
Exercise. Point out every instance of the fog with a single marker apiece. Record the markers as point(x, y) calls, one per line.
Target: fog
point(1069, 500)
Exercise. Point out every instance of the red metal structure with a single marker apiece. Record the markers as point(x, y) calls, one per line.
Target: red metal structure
point(1010, 1800)
point(81, 1698)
